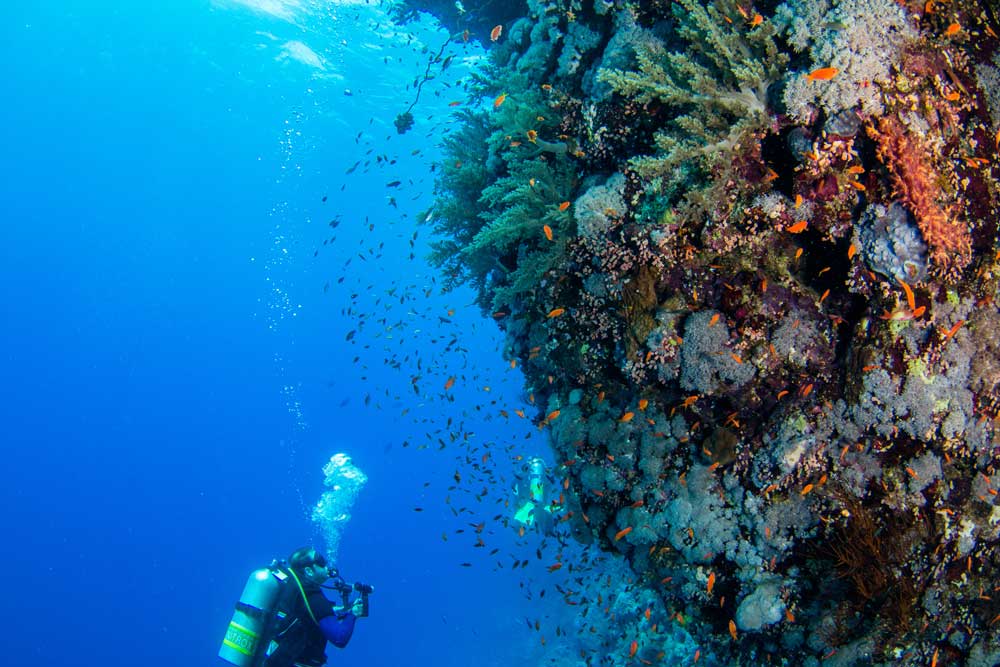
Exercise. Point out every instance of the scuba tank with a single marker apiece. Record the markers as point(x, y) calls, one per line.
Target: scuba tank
point(536, 469)
point(251, 629)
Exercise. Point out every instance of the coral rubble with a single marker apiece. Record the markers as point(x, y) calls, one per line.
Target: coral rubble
point(748, 257)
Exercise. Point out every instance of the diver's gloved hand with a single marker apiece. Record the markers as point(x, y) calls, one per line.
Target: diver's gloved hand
point(358, 608)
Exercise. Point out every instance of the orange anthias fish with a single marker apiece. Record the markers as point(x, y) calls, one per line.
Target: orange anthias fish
point(449, 383)
point(910, 300)
point(622, 533)
point(548, 231)
point(496, 32)
point(627, 417)
point(711, 583)
point(952, 29)
point(902, 315)
point(501, 98)
point(563, 206)
point(633, 647)
point(953, 330)
point(822, 74)
point(798, 227)
point(556, 312)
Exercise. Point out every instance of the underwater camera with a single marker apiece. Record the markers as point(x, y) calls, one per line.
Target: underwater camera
point(345, 589)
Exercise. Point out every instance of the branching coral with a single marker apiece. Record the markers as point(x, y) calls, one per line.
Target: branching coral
point(455, 218)
point(512, 245)
point(719, 83)
point(504, 178)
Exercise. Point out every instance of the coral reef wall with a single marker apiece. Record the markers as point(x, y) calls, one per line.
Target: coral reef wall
point(747, 258)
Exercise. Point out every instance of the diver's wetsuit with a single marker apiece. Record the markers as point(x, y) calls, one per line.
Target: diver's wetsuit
point(302, 642)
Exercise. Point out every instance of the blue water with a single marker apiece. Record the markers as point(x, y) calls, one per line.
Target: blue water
point(174, 373)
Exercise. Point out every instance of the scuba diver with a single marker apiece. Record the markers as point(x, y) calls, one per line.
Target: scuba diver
point(532, 510)
point(283, 619)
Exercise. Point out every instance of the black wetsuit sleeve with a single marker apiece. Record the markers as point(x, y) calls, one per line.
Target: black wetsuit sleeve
point(321, 607)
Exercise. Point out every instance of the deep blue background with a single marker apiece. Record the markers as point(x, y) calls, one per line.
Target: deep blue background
point(174, 375)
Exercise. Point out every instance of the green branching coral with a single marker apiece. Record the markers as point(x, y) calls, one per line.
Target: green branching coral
point(718, 85)
point(512, 244)
point(456, 216)
point(505, 175)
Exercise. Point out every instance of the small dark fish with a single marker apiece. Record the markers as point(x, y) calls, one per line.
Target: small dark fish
point(393, 184)
point(324, 199)
point(350, 334)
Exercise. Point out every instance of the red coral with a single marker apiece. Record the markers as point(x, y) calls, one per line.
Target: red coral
point(915, 181)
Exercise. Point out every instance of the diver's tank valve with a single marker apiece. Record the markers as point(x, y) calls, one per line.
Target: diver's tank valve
point(246, 637)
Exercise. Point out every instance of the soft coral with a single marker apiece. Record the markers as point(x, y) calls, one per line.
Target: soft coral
point(915, 181)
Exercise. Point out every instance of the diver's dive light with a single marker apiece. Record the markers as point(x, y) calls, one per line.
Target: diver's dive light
point(251, 624)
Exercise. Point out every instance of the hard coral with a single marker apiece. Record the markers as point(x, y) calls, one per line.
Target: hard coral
point(916, 182)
